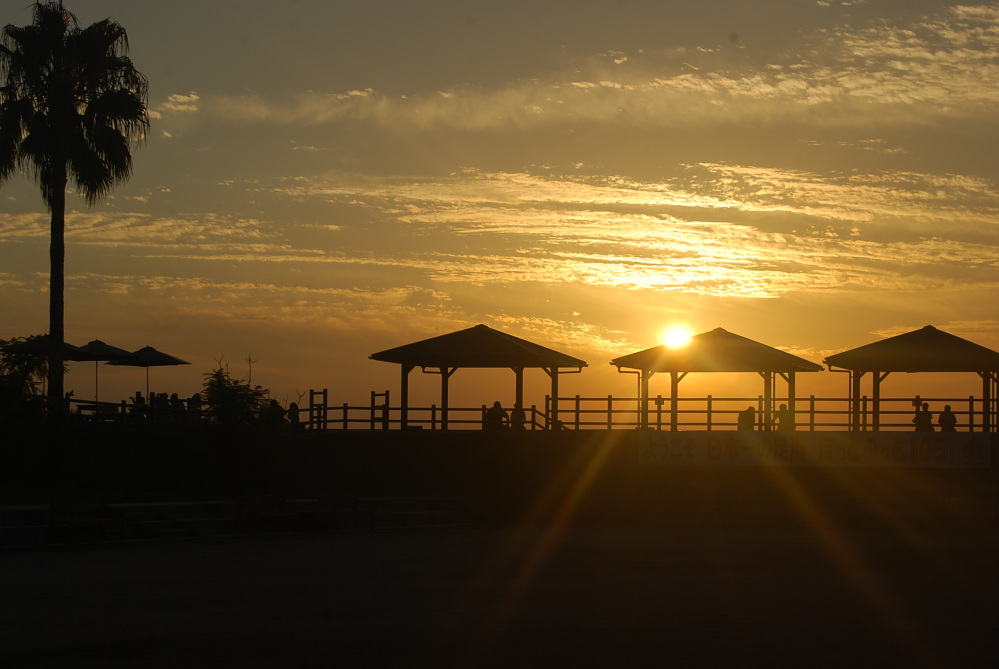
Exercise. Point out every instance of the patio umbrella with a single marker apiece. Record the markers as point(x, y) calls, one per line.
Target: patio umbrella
point(97, 351)
point(149, 357)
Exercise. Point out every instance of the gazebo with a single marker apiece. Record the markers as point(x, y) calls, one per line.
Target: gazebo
point(925, 350)
point(715, 351)
point(476, 347)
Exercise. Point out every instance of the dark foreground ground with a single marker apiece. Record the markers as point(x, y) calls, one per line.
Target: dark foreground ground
point(649, 595)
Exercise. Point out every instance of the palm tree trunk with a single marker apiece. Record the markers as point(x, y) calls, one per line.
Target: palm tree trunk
point(57, 279)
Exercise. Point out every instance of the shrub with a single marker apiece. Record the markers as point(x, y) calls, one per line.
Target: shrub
point(232, 402)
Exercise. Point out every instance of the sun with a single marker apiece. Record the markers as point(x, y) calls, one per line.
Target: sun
point(675, 336)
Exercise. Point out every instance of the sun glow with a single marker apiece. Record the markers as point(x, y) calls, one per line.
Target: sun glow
point(675, 336)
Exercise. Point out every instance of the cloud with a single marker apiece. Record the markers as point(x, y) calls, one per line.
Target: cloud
point(914, 73)
point(707, 229)
point(182, 103)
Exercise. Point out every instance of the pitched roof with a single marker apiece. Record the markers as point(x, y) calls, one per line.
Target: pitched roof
point(925, 350)
point(479, 346)
point(716, 351)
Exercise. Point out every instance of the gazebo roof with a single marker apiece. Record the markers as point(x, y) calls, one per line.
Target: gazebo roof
point(716, 351)
point(925, 350)
point(479, 346)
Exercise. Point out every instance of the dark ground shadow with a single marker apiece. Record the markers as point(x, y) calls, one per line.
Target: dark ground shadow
point(579, 597)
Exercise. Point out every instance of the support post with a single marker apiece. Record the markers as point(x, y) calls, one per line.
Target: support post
point(519, 391)
point(553, 423)
point(674, 391)
point(404, 400)
point(768, 401)
point(644, 399)
point(855, 376)
point(987, 380)
point(445, 377)
point(876, 398)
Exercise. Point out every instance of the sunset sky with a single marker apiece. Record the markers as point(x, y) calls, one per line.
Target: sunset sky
point(327, 179)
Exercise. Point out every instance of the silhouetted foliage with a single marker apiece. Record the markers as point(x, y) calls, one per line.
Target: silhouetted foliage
point(230, 402)
point(71, 104)
point(23, 368)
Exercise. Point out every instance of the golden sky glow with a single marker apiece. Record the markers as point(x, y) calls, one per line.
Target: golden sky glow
point(324, 180)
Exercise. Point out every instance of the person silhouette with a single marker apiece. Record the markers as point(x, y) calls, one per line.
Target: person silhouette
point(923, 419)
point(947, 420)
point(784, 419)
point(194, 408)
point(518, 417)
point(495, 417)
point(139, 406)
point(177, 408)
point(747, 419)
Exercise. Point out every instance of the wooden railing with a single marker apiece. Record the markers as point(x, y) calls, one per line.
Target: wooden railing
point(594, 413)
point(609, 413)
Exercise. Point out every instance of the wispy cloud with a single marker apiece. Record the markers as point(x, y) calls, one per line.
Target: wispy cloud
point(912, 73)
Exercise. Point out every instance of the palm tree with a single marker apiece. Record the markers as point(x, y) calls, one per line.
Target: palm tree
point(71, 104)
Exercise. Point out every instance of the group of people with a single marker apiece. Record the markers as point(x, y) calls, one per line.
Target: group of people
point(923, 419)
point(495, 418)
point(783, 419)
point(166, 408)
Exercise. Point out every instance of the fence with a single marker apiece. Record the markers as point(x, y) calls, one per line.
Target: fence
point(588, 413)
point(693, 413)
point(380, 415)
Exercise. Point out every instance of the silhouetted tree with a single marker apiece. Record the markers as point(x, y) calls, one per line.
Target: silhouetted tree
point(71, 104)
point(230, 402)
point(23, 368)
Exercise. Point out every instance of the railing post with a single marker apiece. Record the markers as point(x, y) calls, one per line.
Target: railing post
point(318, 413)
point(863, 413)
point(577, 412)
point(326, 409)
point(811, 413)
point(534, 417)
point(433, 416)
point(707, 416)
point(610, 412)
